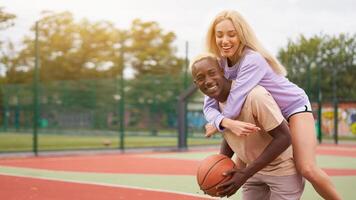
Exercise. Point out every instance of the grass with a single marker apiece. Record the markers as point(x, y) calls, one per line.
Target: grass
point(15, 142)
point(344, 138)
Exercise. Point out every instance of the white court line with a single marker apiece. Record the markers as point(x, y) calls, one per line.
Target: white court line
point(107, 184)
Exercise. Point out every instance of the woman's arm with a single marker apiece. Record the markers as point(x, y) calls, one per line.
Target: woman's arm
point(212, 112)
point(238, 127)
point(252, 70)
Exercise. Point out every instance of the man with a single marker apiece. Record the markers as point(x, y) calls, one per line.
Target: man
point(264, 159)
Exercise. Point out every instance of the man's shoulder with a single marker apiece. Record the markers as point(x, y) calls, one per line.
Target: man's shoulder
point(260, 98)
point(257, 92)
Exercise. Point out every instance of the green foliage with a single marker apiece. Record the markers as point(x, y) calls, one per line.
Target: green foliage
point(331, 56)
point(71, 50)
point(6, 19)
point(80, 64)
point(72, 53)
point(68, 50)
point(151, 49)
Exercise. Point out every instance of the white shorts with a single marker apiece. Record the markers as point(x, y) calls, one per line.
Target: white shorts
point(305, 108)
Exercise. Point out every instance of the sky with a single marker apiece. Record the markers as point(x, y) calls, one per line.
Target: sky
point(274, 21)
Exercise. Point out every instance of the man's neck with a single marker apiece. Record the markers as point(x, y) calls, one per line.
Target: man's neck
point(226, 91)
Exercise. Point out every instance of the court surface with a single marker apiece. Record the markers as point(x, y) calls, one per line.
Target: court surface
point(146, 175)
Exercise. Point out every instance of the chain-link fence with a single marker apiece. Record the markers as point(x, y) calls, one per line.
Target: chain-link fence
point(86, 114)
point(115, 114)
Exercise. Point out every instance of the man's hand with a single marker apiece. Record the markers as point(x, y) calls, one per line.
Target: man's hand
point(239, 128)
point(210, 130)
point(231, 186)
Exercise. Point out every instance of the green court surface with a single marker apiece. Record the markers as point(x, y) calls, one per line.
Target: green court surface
point(14, 142)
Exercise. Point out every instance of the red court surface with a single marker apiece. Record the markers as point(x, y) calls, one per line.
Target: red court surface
point(119, 163)
point(333, 150)
point(141, 164)
point(19, 188)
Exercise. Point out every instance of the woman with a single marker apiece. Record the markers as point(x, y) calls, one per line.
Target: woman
point(245, 60)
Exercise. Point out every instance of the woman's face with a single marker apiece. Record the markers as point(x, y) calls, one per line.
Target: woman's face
point(226, 38)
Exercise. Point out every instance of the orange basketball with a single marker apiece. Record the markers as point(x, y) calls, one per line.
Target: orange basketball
point(210, 172)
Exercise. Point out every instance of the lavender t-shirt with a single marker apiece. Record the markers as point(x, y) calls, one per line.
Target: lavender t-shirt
point(254, 70)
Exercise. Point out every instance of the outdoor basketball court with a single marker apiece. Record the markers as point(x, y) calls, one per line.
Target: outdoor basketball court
point(153, 175)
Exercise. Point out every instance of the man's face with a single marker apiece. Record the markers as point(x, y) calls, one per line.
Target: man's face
point(209, 77)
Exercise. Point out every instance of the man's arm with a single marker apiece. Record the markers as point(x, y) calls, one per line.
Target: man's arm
point(240, 164)
point(225, 149)
point(280, 142)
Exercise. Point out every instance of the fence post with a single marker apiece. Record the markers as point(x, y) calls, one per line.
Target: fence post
point(5, 110)
point(335, 103)
point(35, 94)
point(185, 87)
point(182, 116)
point(17, 114)
point(122, 99)
point(320, 133)
point(336, 135)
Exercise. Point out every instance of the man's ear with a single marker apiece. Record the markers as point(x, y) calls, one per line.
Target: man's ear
point(193, 74)
point(221, 70)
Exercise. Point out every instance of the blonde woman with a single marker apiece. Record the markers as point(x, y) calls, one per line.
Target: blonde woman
point(245, 60)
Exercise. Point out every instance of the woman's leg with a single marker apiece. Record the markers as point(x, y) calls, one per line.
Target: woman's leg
point(304, 150)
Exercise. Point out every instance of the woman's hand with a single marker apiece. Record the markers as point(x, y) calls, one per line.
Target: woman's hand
point(210, 130)
point(239, 128)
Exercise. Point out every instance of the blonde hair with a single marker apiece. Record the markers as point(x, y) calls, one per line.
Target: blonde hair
point(246, 37)
point(202, 56)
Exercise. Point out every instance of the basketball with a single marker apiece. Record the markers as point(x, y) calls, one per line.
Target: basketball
point(210, 172)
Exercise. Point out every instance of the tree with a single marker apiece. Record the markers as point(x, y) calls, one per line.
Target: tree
point(158, 72)
point(331, 56)
point(151, 50)
point(6, 19)
point(68, 50)
point(72, 50)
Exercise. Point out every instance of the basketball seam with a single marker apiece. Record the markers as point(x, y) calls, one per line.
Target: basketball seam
point(206, 174)
point(218, 182)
